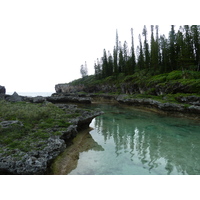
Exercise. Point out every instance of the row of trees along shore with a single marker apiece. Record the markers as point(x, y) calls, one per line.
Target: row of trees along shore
point(180, 51)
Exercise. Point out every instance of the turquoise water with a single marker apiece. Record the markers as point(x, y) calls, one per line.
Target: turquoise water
point(136, 142)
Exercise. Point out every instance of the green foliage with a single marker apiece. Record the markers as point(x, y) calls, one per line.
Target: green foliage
point(174, 75)
point(37, 121)
point(180, 51)
point(157, 79)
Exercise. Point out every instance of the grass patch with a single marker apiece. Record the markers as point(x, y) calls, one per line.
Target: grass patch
point(37, 120)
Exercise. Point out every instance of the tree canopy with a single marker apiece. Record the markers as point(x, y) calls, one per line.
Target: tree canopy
point(180, 51)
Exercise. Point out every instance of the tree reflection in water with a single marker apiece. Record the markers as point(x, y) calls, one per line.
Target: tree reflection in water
point(163, 145)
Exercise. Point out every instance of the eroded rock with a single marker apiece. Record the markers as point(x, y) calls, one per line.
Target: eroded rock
point(38, 161)
point(8, 124)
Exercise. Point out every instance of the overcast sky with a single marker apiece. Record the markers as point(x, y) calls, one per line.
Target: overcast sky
point(44, 42)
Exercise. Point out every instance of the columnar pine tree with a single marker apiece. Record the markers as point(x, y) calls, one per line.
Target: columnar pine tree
point(146, 49)
point(157, 47)
point(164, 53)
point(110, 64)
point(172, 54)
point(189, 53)
point(180, 50)
point(125, 55)
point(115, 62)
point(153, 49)
point(105, 70)
point(116, 49)
point(121, 65)
point(140, 55)
point(195, 31)
point(98, 70)
point(132, 60)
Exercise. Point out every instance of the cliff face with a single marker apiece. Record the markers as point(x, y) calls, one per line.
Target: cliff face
point(171, 97)
point(138, 83)
point(128, 88)
point(67, 88)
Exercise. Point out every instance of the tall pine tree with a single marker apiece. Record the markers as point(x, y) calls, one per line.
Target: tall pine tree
point(172, 53)
point(146, 48)
point(140, 55)
point(132, 60)
point(195, 31)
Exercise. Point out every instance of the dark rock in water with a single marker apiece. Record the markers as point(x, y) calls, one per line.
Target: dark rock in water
point(14, 97)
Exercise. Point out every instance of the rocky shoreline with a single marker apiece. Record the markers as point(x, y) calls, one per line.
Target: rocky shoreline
point(38, 161)
point(184, 104)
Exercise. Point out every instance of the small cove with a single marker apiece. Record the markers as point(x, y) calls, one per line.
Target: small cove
point(130, 141)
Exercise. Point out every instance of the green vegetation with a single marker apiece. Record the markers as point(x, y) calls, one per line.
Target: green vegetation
point(159, 67)
point(187, 81)
point(36, 122)
point(180, 51)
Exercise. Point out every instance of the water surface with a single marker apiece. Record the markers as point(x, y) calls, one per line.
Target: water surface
point(137, 142)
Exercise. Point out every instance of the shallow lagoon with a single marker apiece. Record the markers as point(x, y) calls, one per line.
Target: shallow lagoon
point(130, 141)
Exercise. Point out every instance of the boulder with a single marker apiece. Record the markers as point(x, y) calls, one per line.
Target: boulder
point(14, 97)
point(39, 99)
point(2, 90)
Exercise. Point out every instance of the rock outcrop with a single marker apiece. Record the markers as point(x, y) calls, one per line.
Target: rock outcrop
point(66, 88)
point(171, 107)
point(14, 97)
point(193, 100)
point(38, 161)
point(34, 162)
point(68, 98)
point(2, 92)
